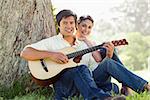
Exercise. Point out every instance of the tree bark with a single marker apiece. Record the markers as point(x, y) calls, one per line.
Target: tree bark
point(21, 22)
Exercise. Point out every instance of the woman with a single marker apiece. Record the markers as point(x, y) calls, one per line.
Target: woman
point(84, 27)
point(103, 79)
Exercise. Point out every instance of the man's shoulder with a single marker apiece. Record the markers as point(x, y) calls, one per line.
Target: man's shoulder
point(55, 36)
point(52, 37)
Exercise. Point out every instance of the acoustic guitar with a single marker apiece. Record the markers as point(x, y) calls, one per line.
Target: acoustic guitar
point(45, 72)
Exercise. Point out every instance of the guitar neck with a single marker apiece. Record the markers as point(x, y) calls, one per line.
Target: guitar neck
point(84, 51)
point(94, 48)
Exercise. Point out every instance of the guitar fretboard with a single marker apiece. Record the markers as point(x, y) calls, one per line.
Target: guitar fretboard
point(82, 52)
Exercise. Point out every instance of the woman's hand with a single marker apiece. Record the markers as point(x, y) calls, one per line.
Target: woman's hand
point(87, 41)
point(110, 49)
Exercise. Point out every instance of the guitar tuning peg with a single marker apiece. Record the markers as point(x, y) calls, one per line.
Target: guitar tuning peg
point(119, 42)
point(116, 43)
point(126, 42)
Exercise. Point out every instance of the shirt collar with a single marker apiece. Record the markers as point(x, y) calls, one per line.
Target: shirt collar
point(60, 35)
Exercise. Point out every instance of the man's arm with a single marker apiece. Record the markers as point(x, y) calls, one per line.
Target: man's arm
point(33, 54)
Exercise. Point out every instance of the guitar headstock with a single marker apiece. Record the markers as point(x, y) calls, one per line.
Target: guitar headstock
point(120, 42)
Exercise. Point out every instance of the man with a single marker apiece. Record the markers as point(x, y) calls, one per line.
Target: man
point(75, 79)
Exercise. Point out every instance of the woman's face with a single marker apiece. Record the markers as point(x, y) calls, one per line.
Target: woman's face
point(85, 27)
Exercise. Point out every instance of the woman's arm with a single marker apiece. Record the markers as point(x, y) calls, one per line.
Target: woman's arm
point(96, 54)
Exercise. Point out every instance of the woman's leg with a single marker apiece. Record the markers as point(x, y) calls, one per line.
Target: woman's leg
point(109, 67)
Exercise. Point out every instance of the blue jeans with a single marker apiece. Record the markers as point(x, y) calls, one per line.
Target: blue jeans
point(78, 79)
point(109, 67)
point(106, 85)
point(114, 57)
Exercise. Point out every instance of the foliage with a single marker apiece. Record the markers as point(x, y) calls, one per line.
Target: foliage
point(130, 16)
point(16, 89)
point(135, 55)
point(54, 15)
point(135, 16)
point(24, 86)
point(142, 96)
point(21, 90)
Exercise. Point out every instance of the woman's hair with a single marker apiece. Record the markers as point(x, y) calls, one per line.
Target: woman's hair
point(82, 18)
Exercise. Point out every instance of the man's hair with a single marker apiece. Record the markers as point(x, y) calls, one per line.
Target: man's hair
point(82, 18)
point(64, 14)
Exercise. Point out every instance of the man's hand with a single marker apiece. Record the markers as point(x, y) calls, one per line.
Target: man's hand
point(59, 57)
point(110, 49)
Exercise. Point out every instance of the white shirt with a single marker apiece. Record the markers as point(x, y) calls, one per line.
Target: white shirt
point(87, 59)
point(57, 43)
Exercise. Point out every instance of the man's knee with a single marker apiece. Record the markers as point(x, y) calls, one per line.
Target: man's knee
point(82, 67)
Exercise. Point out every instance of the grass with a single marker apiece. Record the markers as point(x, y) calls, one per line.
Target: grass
point(25, 89)
point(142, 96)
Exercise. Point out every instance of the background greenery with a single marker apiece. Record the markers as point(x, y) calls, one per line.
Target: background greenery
point(131, 21)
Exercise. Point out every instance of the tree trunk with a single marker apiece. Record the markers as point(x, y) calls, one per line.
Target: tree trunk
point(21, 22)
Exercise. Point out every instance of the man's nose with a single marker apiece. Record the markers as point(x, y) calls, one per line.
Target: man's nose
point(68, 25)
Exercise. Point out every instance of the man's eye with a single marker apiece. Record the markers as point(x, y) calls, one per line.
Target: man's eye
point(83, 25)
point(65, 23)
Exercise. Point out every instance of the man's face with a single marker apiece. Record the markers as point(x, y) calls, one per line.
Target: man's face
point(67, 26)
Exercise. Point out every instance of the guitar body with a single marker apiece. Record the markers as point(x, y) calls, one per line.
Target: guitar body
point(54, 69)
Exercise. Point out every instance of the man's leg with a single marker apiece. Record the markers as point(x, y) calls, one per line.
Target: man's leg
point(64, 87)
point(109, 67)
point(78, 79)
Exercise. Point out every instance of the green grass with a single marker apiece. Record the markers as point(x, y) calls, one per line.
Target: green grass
point(25, 89)
point(142, 96)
